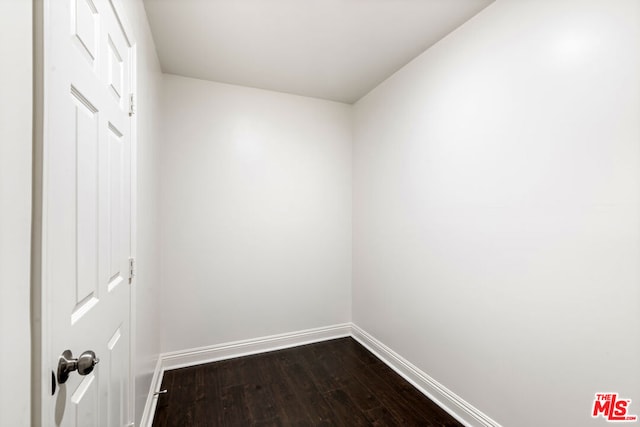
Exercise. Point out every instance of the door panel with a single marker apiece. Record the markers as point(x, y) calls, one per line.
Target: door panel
point(115, 161)
point(85, 24)
point(85, 402)
point(86, 145)
point(117, 358)
point(116, 69)
point(87, 208)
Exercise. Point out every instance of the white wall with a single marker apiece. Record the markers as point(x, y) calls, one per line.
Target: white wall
point(256, 213)
point(15, 210)
point(147, 283)
point(496, 210)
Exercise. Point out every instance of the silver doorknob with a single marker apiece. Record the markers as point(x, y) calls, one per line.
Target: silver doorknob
point(83, 364)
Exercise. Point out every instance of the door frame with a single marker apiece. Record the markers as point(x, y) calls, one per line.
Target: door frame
point(41, 292)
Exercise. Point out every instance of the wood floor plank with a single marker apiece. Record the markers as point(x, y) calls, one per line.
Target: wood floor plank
point(290, 409)
point(362, 396)
point(381, 416)
point(309, 397)
point(233, 406)
point(331, 383)
point(208, 394)
point(260, 403)
point(344, 409)
point(162, 412)
point(406, 403)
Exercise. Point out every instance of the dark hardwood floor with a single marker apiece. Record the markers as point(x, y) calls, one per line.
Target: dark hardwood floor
point(332, 383)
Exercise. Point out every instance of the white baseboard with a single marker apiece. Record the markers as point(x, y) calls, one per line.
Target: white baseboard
point(197, 356)
point(457, 407)
point(150, 404)
point(442, 396)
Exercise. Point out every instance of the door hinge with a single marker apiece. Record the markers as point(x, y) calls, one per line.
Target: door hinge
point(132, 269)
point(132, 105)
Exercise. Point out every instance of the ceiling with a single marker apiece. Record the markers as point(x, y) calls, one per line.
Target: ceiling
point(331, 49)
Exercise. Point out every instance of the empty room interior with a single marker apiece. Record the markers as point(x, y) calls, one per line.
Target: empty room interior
point(367, 205)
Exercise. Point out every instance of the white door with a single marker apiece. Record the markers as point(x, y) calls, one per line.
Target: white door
point(87, 209)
